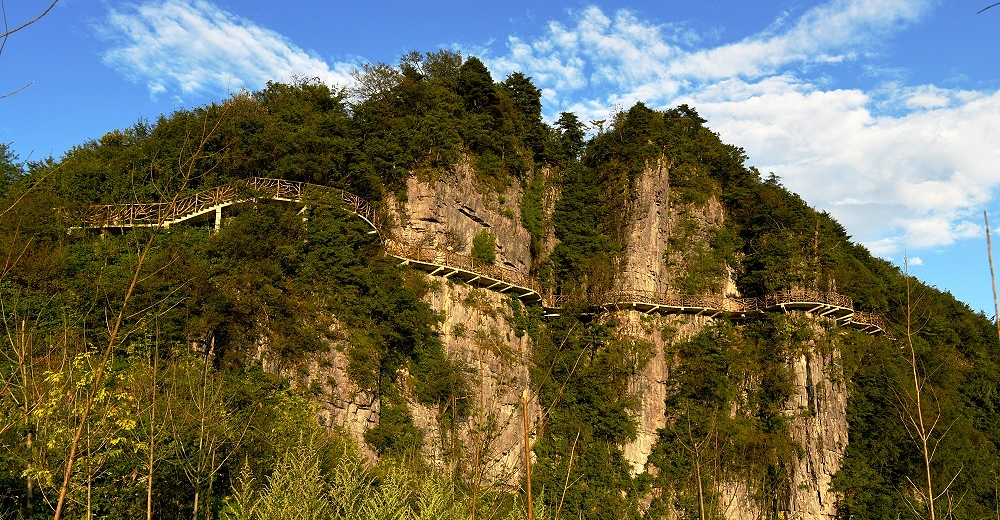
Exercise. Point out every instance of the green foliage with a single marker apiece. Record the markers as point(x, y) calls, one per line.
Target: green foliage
point(571, 138)
point(395, 433)
point(301, 487)
point(437, 107)
point(484, 248)
point(585, 258)
point(10, 169)
point(525, 320)
point(725, 417)
point(527, 101)
point(956, 360)
point(582, 375)
point(294, 490)
point(533, 215)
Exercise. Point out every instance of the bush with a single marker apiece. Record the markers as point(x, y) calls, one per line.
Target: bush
point(484, 248)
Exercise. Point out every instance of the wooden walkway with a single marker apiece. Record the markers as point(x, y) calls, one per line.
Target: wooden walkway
point(210, 205)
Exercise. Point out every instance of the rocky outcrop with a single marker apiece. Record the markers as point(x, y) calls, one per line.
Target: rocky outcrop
point(665, 228)
point(819, 427)
point(450, 211)
point(478, 332)
point(342, 404)
point(649, 232)
point(649, 385)
point(818, 407)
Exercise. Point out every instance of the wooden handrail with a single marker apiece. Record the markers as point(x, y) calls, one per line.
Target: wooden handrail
point(165, 213)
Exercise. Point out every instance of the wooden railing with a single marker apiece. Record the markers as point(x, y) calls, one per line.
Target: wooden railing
point(871, 319)
point(794, 297)
point(461, 261)
point(167, 213)
point(614, 298)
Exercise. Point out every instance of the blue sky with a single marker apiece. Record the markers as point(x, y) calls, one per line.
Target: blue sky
point(885, 113)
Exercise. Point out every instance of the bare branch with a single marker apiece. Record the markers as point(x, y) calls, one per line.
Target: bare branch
point(25, 24)
point(989, 6)
point(11, 93)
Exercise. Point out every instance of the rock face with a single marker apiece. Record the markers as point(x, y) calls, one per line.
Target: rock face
point(820, 428)
point(649, 233)
point(477, 330)
point(818, 407)
point(343, 405)
point(650, 384)
point(658, 217)
point(450, 212)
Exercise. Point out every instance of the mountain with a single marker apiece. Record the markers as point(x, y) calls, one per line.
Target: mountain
point(441, 278)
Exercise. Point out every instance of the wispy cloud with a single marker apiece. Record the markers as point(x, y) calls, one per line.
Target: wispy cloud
point(900, 166)
point(832, 33)
point(918, 179)
point(181, 47)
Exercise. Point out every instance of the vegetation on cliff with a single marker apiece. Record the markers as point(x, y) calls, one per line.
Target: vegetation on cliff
point(173, 414)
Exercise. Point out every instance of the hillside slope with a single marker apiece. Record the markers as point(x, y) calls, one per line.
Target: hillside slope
point(637, 406)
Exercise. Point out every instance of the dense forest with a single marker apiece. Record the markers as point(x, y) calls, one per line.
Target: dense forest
point(131, 380)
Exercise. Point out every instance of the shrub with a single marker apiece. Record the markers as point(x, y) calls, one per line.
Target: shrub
point(484, 248)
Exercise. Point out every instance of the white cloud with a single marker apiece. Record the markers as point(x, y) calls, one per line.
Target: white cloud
point(830, 33)
point(190, 46)
point(914, 261)
point(900, 166)
point(919, 179)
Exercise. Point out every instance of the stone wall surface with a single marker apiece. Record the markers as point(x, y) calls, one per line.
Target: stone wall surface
point(477, 333)
point(656, 216)
point(448, 213)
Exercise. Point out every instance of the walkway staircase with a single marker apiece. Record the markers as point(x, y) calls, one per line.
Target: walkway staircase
point(209, 205)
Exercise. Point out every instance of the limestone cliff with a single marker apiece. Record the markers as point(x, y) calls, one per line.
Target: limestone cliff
point(477, 330)
point(818, 405)
point(819, 409)
point(449, 212)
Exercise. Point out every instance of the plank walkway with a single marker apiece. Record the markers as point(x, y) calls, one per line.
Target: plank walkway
point(209, 205)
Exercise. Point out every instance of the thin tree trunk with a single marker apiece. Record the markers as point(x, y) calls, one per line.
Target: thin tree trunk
point(701, 489)
point(98, 379)
point(922, 431)
point(201, 430)
point(23, 362)
point(152, 432)
point(993, 278)
point(90, 475)
point(527, 454)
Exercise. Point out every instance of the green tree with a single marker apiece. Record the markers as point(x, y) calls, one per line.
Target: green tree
point(572, 134)
point(476, 87)
point(581, 372)
point(10, 169)
point(484, 248)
